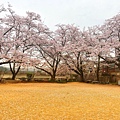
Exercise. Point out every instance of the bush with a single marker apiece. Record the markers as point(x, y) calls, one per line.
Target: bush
point(30, 76)
point(23, 79)
point(62, 80)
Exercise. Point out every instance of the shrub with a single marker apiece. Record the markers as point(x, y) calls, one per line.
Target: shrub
point(30, 76)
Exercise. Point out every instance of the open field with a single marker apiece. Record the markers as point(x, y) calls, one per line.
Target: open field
point(51, 101)
point(36, 76)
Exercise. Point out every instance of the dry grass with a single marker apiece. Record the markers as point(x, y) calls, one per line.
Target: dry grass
point(50, 101)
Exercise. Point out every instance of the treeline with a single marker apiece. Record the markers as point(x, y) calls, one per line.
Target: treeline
point(26, 41)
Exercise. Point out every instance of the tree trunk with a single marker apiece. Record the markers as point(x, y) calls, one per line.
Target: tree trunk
point(98, 68)
point(81, 71)
point(14, 70)
point(82, 77)
point(119, 66)
point(53, 78)
point(13, 76)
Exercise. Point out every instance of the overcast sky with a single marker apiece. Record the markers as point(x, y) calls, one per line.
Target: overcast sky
point(82, 13)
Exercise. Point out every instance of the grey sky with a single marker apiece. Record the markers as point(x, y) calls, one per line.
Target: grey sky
point(80, 12)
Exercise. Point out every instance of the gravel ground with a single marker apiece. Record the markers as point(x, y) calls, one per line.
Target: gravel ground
point(51, 101)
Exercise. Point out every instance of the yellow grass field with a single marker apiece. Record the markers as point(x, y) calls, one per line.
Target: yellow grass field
point(52, 101)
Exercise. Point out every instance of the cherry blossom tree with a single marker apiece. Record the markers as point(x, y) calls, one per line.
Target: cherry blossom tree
point(74, 48)
point(111, 30)
point(20, 38)
point(3, 32)
point(99, 46)
point(48, 54)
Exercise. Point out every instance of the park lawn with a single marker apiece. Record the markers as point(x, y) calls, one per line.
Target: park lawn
point(52, 101)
